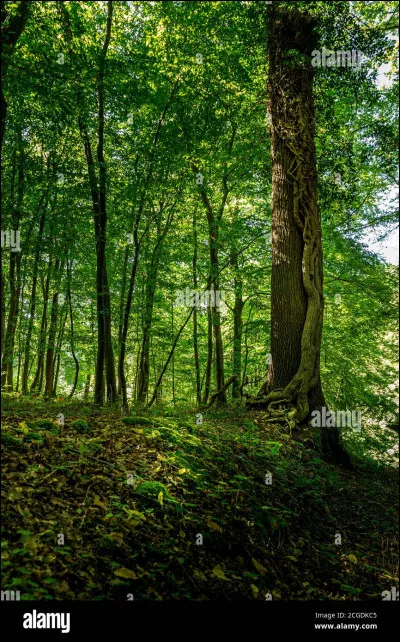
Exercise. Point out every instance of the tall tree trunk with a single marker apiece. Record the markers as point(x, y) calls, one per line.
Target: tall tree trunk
point(32, 309)
point(51, 343)
point(15, 290)
point(14, 275)
point(207, 382)
point(195, 322)
point(150, 290)
point(71, 322)
point(3, 314)
point(137, 245)
point(57, 356)
point(38, 379)
point(11, 29)
point(213, 221)
point(237, 330)
point(105, 353)
point(87, 387)
point(293, 380)
point(144, 367)
point(121, 316)
point(173, 356)
point(125, 320)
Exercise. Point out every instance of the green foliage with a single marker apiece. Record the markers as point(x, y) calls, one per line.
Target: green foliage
point(44, 424)
point(80, 426)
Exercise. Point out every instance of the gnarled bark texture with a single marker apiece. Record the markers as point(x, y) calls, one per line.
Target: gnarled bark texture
point(293, 387)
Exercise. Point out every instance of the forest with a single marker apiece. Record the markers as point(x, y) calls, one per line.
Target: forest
point(199, 300)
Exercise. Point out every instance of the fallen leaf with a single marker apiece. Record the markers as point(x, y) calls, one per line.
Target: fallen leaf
point(214, 526)
point(218, 572)
point(125, 573)
point(98, 502)
point(259, 567)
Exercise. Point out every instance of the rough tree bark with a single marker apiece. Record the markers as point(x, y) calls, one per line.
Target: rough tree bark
point(293, 386)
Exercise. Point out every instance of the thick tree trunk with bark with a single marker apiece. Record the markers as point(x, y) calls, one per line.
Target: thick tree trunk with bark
point(293, 388)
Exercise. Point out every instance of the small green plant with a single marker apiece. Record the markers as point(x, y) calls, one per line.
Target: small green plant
point(152, 489)
point(141, 421)
point(80, 426)
point(9, 441)
point(44, 424)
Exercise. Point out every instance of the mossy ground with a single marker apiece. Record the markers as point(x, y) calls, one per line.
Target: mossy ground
point(167, 509)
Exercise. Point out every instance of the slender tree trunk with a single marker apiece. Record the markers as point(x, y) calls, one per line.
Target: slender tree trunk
point(246, 347)
point(121, 316)
point(150, 290)
point(105, 353)
point(143, 384)
point(71, 322)
point(14, 275)
point(32, 309)
point(19, 361)
point(195, 321)
point(3, 313)
point(15, 290)
point(57, 356)
point(213, 290)
point(173, 356)
point(87, 387)
point(237, 333)
point(38, 379)
point(207, 383)
point(125, 323)
point(51, 343)
point(137, 244)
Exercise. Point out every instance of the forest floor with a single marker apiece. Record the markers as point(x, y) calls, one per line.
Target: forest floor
point(165, 509)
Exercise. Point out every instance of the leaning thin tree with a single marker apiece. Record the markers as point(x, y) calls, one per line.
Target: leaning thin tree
point(293, 386)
